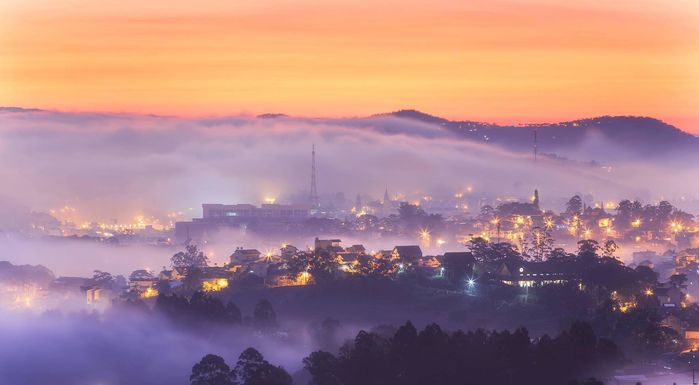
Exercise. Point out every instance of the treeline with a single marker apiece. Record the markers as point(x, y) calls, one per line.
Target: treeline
point(251, 369)
point(433, 356)
point(204, 309)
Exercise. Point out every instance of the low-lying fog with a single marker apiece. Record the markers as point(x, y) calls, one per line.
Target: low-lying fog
point(126, 349)
point(119, 166)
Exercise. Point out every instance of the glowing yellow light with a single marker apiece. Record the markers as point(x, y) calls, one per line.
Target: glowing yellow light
point(149, 293)
point(424, 233)
point(648, 292)
point(636, 223)
point(625, 307)
point(549, 223)
point(270, 200)
point(303, 278)
point(676, 227)
point(217, 285)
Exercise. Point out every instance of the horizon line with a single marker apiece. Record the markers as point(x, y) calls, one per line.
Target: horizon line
point(6, 108)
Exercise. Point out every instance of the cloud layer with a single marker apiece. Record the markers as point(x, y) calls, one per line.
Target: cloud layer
point(118, 166)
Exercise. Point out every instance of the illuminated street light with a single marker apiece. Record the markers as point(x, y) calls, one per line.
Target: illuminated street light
point(424, 234)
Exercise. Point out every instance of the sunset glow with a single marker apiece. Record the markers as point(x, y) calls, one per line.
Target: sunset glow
point(506, 61)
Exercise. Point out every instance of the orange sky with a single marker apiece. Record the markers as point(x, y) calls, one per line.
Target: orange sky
point(505, 61)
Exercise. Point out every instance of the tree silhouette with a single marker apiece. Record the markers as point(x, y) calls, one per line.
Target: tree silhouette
point(253, 369)
point(540, 244)
point(199, 309)
point(190, 257)
point(323, 367)
point(233, 313)
point(211, 370)
point(610, 247)
point(264, 316)
point(102, 279)
point(457, 265)
point(574, 206)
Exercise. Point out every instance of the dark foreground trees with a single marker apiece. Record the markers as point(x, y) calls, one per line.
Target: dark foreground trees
point(251, 369)
point(433, 356)
point(211, 370)
point(199, 308)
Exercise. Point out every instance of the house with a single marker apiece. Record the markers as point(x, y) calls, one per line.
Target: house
point(95, 295)
point(257, 268)
point(176, 274)
point(357, 249)
point(686, 258)
point(141, 280)
point(329, 245)
point(68, 284)
point(406, 254)
point(346, 258)
point(462, 259)
point(277, 275)
point(428, 266)
point(288, 251)
point(530, 274)
point(669, 296)
point(242, 256)
point(383, 254)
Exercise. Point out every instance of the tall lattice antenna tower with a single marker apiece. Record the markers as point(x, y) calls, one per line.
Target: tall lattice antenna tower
point(313, 197)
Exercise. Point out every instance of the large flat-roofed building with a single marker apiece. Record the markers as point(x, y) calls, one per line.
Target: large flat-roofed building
point(216, 210)
point(216, 216)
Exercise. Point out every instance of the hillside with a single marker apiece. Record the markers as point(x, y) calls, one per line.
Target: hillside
point(632, 135)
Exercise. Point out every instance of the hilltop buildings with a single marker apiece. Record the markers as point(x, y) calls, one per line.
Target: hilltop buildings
point(215, 217)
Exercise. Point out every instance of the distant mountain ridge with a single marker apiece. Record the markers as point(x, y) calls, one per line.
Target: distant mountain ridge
point(19, 109)
point(632, 134)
